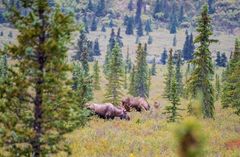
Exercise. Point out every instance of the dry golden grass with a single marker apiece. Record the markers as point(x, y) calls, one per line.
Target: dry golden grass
point(148, 134)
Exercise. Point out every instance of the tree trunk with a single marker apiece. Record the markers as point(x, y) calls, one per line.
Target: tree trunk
point(37, 125)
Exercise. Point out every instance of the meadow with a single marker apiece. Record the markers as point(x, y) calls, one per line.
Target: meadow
point(148, 134)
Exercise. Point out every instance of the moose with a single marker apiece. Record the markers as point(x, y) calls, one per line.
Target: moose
point(136, 103)
point(108, 111)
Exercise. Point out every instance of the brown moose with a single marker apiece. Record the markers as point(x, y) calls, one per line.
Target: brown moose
point(108, 111)
point(136, 103)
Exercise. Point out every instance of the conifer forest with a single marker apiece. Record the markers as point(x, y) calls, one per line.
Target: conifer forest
point(119, 78)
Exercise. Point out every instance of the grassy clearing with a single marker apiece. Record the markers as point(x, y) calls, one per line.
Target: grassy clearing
point(148, 134)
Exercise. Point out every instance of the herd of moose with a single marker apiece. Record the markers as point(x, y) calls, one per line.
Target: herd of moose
point(109, 111)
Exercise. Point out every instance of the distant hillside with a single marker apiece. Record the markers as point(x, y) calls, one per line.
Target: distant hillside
point(226, 13)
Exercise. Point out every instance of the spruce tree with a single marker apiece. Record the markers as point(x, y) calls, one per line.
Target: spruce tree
point(179, 74)
point(85, 24)
point(148, 27)
point(189, 47)
point(181, 14)
point(82, 44)
point(103, 28)
point(175, 41)
point(138, 12)
point(115, 77)
point(141, 76)
point(170, 75)
point(125, 76)
point(3, 68)
point(130, 5)
point(217, 87)
point(90, 5)
point(96, 76)
point(173, 110)
point(231, 88)
point(211, 6)
point(224, 60)
point(132, 84)
point(150, 40)
point(94, 24)
point(153, 70)
point(130, 26)
point(218, 59)
point(173, 23)
point(128, 62)
point(140, 28)
point(96, 48)
point(82, 84)
point(199, 84)
point(157, 8)
point(38, 105)
point(164, 56)
point(100, 8)
point(119, 38)
point(111, 23)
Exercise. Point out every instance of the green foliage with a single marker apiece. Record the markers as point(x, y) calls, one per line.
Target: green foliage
point(169, 76)
point(3, 68)
point(231, 86)
point(130, 26)
point(188, 48)
point(37, 103)
point(115, 77)
point(141, 76)
point(174, 40)
point(217, 87)
point(190, 138)
point(164, 56)
point(132, 85)
point(173, 110)
point(96, 76)
point(179, 73)
point(82, 84)
point(94, 24)
point(153, 69)
point(199, 84)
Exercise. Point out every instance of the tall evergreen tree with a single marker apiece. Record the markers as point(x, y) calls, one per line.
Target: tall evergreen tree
point(82, 45)
point(132, 84)
point(150, 40)
point(38, 105)
point(211, 6)
point(115, 77)
point(189, 47)
point(218, 59)
point(100, 8)
point(119, 38)
point(140, 28)
point(179, 73)
point(90, 5)
point(128, 62)
point(231, 88)
point(181, 14)
point(85, 24)
point(224, 60)
point(153, 70)
point(82, 84)
point(199, 84)
point(164, 56)
point(130, 26)
point(94, 24)
point(138, 12)
point(157, 8)
point(130, 5)
point(173, 109)
point(96, 76)
point(173, 21)
point(148, 27)
point(103, 28)
point(175, 41)
point(217, 87)
point(3, 68)
point(141, 77)
point(169, 76)
point(96, 48)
